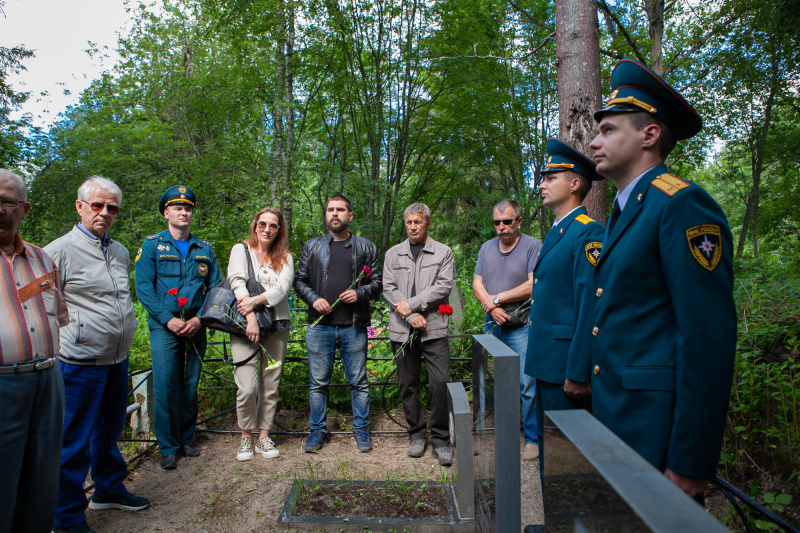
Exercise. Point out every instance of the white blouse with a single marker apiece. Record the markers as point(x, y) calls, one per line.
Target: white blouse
point(276, 284)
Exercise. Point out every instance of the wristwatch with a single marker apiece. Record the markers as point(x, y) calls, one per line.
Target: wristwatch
point(496, 301)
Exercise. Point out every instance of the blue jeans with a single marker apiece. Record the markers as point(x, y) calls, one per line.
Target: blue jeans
point(517, 340)
point(177, 362)
point(322, 342)
point(32, 415)
point(96, 400)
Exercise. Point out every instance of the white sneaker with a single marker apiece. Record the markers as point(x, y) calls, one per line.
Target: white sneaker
point(245, 452)
point(267, 448)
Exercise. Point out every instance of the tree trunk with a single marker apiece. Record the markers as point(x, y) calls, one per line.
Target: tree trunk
point(757, 160)
point(655, 25)
point(579, 94)
point(288, 168)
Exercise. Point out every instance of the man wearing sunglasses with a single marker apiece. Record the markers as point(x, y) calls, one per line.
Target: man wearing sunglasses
point(502, 284)
point(95, 281)
point(174, 269)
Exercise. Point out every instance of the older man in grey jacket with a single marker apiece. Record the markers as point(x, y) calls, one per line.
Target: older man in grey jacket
point(417, 277)
point(95, 281)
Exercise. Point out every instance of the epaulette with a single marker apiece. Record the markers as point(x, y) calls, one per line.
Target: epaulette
point(669, 184)
point(152, 237)
point(584, 219)
point(204, 241)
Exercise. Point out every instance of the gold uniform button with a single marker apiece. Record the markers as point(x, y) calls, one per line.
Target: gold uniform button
point(530, 323)
point(535, 281)
point(596, 369)
point(599, 292)
point(595, 330)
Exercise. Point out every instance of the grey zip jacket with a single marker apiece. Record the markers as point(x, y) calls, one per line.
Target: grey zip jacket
point(96, 287)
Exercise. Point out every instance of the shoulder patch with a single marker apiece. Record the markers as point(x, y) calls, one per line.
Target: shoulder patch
point(669, 184)
point(584, 219)
point(152, 237)
point(138, 255)
point(592, 250)
point(705, 244)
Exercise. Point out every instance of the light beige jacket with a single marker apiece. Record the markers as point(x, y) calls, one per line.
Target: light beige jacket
point(276, 284)
point(433, 275)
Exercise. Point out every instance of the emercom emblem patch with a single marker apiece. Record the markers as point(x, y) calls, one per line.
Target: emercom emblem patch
point(202, 269)
point(592, 250)
point(705, 243)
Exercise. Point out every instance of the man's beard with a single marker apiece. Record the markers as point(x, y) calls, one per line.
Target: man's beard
point(338, 229)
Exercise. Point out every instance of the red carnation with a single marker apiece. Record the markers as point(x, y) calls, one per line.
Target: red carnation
point(445, 310)
point(182, 301)
point(173, 291)
point(367, 271)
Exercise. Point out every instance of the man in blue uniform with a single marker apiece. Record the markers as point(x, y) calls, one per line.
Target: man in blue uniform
point(558, 359)
point(663, 332)
point(174, 269)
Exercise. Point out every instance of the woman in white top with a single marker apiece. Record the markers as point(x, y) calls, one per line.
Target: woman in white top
point(260, 377)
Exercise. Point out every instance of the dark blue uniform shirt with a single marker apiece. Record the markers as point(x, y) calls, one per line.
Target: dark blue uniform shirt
point(160, 266)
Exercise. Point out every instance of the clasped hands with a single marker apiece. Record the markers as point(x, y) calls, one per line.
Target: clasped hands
point(403, 310)
point(184, 329)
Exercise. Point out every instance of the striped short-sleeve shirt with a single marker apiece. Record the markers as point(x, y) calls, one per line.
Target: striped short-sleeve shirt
point(29, 329)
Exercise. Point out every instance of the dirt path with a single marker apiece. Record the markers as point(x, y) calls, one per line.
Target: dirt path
point(217, 493)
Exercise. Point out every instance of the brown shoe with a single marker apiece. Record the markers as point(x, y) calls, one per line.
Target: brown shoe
point(531, 452)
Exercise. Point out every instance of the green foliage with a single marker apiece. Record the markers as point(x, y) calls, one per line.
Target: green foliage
point(764, 416)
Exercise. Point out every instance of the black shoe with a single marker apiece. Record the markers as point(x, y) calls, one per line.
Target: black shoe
point(187, 450)
point(169, 462)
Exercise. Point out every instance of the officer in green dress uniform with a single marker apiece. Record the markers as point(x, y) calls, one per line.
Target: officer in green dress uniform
point(560, 360)
point(174, 269)
point(663, 330)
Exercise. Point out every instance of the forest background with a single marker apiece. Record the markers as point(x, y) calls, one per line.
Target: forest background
point(447, 102)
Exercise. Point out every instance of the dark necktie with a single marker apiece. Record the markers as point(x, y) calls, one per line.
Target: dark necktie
point(615, 212)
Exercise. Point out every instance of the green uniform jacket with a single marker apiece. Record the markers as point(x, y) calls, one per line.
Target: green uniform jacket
point(161, 267)
point(561, 292)
point(664, 328)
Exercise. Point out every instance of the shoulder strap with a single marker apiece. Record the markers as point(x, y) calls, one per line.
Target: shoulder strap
point(251, 274)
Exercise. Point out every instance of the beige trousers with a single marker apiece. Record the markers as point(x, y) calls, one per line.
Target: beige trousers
point(257, 397)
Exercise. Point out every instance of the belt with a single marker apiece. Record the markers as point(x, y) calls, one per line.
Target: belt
point(18, 368)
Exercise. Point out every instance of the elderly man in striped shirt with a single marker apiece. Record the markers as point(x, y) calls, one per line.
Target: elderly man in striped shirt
point(31, 388)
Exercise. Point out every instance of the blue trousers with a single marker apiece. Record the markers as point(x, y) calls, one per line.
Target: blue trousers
point(96, 400)
point(322, 342)
point(517, 340)
point(177, 362)
point(32, 415)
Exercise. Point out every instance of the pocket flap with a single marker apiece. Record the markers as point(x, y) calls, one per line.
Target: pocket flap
point(649, 378)
point(563, 331)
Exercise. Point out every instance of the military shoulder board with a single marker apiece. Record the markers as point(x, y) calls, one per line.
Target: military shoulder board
point(152, 237)
point(669, 184)
point(583, 219)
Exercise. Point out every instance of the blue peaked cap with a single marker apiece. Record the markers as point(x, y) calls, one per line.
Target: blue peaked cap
point(561, 156)
point(636, 88)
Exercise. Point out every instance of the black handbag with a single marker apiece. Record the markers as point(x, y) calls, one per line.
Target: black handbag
point(221, 310)
point(518, 311)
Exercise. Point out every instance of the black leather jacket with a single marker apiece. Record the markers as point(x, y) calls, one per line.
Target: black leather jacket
point(311, 278)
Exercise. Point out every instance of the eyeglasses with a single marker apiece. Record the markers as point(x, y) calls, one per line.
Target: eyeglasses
point(112, 209)
point(10, 203)
point(506, 221)
point(272, 227)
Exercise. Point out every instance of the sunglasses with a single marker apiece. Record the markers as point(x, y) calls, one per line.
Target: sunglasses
point(112, 209)
point(506, 221)
point(272, 227)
